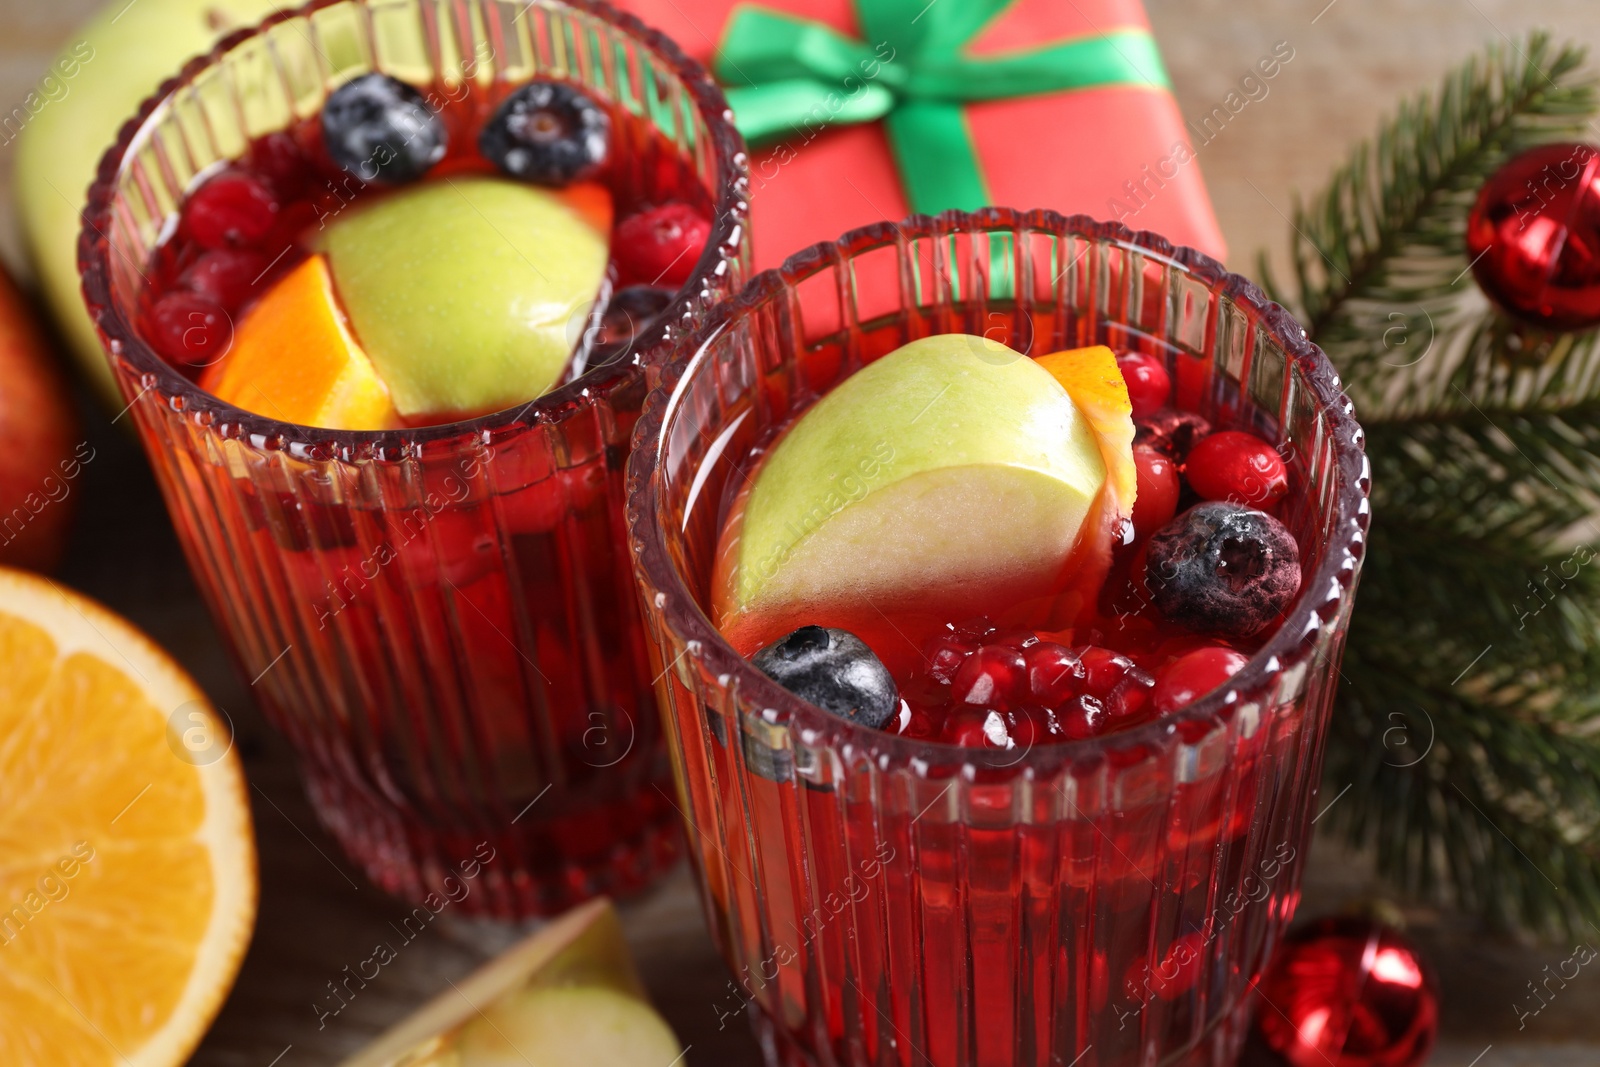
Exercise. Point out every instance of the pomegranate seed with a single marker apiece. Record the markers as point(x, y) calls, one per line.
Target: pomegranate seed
point(1158, 487)
point(1105, 669)
point(1238, 467)
point(1055, 673)
point(1149, 385)
point(226, 276)
point(1126, 703)
point(1191, 676)
point(978, 728)
point(662, 245)
point(993, 677)
point(1017, 639)
point(190, 330)
point(946, 653)
point(978, 629)
point(1082, 718)
point(231, 209)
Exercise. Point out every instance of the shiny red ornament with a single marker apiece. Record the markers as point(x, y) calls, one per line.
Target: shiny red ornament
point(1344, 992)
point(1534, 237)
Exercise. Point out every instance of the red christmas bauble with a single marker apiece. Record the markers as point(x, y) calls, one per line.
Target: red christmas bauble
point(1534, 237)
point(1344, 992)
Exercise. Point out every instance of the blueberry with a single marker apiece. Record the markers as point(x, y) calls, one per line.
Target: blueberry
point(630, 311)
point(836, 671)
point(1223, 568)
point(382, 130)
point(548, 133)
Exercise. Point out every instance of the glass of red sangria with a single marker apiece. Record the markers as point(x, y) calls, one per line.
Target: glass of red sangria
point(380, 281)
point(998, 567)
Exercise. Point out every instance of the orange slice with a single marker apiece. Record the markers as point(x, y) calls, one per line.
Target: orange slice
point(1090, 376)
point(127, 866)
point(295, 359)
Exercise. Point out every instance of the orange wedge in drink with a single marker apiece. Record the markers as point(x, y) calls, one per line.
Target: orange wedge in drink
point(127, 865)
point(1090, 376)
point(295, 359)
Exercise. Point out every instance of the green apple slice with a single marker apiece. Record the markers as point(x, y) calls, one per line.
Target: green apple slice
point(465, 291)
point(953, 472)
point(566, 997)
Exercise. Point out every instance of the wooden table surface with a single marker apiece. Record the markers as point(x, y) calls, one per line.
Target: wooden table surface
point(1352, 58)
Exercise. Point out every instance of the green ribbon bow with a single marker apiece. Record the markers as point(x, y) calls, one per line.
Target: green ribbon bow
point(787, 75)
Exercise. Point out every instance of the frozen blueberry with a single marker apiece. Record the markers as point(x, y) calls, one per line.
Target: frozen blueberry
point(836, 671)
point(1223, 568)
point(548, 133)
point(1171, 432)
point(382, 130)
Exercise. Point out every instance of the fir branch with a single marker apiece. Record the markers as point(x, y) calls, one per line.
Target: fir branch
point(1479, 613)
point(1388, 231)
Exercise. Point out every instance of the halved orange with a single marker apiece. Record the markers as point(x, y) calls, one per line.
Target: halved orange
point(127, 865)
point(295, 359)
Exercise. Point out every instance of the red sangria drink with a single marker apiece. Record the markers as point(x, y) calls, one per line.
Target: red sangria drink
point(997, 637)
point(380, 287)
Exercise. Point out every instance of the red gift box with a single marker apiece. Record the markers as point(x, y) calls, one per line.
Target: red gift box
point(1114, 148)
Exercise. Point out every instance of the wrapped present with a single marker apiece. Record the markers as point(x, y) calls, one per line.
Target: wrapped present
point(864, 110)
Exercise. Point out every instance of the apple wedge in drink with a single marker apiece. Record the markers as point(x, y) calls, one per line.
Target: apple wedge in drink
point(566, 997)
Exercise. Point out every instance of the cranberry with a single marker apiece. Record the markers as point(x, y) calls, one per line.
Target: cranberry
point(945, 653)
point(1172, 432)
point(278, 158)
point(662, 245)
point(1055, 673)
point(1157, 487)
point(231, 209)
point(1236, 466)
point(994, 676)
point(1149, 385)
point(1191, 676)
point(190, 330)
point(226, 276)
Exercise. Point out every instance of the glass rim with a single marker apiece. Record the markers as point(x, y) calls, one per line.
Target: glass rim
point(1294, 644)
point(119, 338)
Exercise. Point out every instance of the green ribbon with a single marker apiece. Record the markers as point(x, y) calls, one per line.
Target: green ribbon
point(787, 75)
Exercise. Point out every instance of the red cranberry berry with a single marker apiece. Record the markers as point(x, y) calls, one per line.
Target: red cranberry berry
point(226, 276)
point(992, 677)
point(1149, 385)
point(1158, 490)
point(1236, 466)
point(278, 158)
point(229, 210)
point(1222, 568)
point(1191, 676)
point(661, 246)
point(1169, 431)
point(190, 330)
point(1055, 673)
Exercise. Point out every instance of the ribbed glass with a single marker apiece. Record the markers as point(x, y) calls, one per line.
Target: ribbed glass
point(441, 621)
point(882, 900)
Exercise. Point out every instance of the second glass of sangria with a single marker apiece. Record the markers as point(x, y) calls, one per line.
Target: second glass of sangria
point(998, 567)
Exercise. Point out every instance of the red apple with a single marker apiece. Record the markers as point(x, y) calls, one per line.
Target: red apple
point(41, 450)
